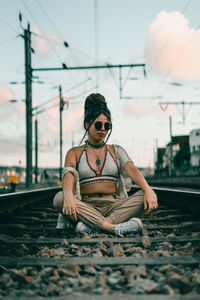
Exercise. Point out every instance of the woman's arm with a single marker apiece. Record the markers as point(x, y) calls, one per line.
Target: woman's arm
point(69, 206)
point(150, 198)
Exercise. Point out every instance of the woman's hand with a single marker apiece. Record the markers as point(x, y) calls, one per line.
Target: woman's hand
point(150, 200)
point(70, 208)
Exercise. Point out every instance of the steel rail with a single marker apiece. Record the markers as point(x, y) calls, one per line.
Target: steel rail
point(13, 200)
point(22, 243)
point(191, 199)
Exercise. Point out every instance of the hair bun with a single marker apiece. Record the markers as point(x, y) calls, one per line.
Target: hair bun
point(96, 100)
point(95, 105)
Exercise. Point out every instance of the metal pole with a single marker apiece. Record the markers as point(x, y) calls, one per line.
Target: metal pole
point(96, 39)
point(157, 162)
point(120, 82)
point(183, 112)
point(61, 109)
point(36, 151)
point(170, 154)
point(28, 92)
point(90, 67)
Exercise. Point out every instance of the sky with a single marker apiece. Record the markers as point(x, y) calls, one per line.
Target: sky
point(162, 34)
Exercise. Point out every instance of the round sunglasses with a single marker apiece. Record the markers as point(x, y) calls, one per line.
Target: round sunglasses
point(98, 125)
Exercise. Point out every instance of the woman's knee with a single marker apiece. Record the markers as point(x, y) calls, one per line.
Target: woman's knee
point(138, 196)
point(58, 200)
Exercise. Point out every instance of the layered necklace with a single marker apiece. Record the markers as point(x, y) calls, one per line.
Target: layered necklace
point(98, 160)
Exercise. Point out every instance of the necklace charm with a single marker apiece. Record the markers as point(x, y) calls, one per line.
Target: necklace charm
point(98, 162)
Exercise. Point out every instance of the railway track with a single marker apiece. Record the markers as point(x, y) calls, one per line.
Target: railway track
point(37, 260)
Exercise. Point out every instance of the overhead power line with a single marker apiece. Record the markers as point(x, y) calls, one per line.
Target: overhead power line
point(11, 39)
point(48, 41)
point(164, 105)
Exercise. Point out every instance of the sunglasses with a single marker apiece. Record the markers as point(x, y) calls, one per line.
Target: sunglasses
point(98, 125)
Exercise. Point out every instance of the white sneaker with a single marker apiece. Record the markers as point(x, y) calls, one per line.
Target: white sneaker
point(63, 222)
point(81, 228)
point(133, 225)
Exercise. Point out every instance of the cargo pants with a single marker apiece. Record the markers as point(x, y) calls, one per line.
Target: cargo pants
point(94, 209)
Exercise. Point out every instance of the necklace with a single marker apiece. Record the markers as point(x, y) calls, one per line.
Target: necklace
point(95, 145)
point(98, 160)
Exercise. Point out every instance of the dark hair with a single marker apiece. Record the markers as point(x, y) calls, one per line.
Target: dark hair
point(95, 105)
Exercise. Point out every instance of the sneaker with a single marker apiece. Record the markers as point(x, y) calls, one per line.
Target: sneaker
point(81, 228)
point(133, 225)
point(63, 222)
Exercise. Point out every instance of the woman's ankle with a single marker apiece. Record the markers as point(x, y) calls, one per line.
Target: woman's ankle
point(107, 226)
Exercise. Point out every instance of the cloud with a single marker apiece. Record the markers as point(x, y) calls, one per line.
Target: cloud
point(71, 119)
point(173, 47)
point(5, 94)
point(133, 108)
point(53, 128)
point(20, 108)
point(43, 44)
point(45, 144)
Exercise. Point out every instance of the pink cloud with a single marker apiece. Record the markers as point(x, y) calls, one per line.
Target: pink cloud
point(71, 119)
point(43, 43)
point(133, 108)
point(20, 107)
point(5, 94)
point(173, 47)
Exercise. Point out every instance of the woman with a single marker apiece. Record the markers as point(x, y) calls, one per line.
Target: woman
point(94, 197)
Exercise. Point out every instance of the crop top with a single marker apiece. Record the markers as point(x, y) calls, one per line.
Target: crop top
point(87, 175)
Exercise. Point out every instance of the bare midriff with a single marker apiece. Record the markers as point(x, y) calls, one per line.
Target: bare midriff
point(98, 188)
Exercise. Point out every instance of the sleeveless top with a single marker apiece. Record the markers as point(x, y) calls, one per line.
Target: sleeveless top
point(87, 175)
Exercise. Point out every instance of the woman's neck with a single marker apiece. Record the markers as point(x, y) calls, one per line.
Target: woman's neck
point(95, 144)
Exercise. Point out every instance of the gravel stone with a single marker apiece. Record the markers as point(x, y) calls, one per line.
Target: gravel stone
point(166, 246)
point(60, 251)
point(90, 270)
point(113, 282)
point(146, 242)
point(179, 281)
point(140, 286)
point(117, 251)
point(46, 272)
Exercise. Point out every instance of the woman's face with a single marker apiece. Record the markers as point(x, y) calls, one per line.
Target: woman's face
point(97, 131)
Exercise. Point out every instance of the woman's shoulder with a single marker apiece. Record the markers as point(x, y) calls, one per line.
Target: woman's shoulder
point(111, 149)
point(77, 149)
point(114, 147)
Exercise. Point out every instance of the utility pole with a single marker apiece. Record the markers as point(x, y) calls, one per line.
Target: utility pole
point(170, 149)
point(62, 104)
point(36, 151)
point(156, 158)
point(61, 109)
point(28, 92)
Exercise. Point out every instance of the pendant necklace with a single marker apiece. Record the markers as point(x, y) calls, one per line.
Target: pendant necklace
point(98, 160)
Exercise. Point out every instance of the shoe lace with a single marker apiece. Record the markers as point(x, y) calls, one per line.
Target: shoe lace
point(118, 232)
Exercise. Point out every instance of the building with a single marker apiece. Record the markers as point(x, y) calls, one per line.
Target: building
point(178, 144)
point(174, 157)
point(194, 142)
point(159, 160)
